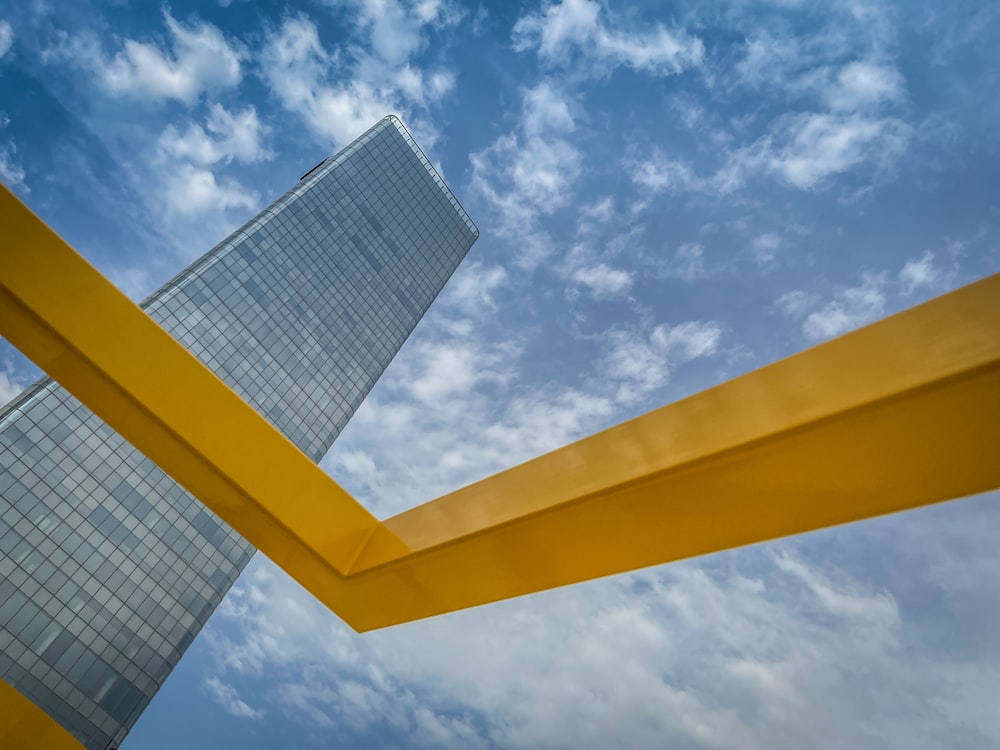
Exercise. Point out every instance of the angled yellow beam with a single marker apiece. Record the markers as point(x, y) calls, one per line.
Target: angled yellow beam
point(25, 726)
point(896, 415)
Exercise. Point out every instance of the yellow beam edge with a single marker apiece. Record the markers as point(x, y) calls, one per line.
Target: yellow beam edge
point(25, 726)
point(896, 415)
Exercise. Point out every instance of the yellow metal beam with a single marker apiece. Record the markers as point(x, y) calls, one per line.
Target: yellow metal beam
point(25, 726)
point(899, 414)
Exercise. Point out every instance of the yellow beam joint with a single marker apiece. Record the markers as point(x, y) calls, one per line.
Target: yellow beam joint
point(25, 726)
point(899, 414)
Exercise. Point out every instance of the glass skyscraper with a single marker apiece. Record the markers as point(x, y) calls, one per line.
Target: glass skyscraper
point(108, 568)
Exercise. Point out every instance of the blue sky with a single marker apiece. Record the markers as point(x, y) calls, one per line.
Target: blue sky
point(669, 195)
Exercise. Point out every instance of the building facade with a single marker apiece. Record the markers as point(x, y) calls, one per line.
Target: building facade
point(108, 568)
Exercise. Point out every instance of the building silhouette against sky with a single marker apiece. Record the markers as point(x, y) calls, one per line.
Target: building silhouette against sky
point(108, 568)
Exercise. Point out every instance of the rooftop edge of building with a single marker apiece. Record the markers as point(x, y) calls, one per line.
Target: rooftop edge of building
point(405, 133)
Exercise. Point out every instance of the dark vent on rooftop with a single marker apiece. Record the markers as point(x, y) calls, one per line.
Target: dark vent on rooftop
point(312, 170)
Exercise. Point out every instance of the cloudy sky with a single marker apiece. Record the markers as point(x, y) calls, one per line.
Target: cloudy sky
point(669, 194)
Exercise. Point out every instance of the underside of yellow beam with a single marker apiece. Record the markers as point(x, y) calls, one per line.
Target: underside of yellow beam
point(899, 414)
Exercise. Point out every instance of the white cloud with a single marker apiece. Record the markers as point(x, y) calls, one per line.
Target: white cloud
point(765, 247)
point(546, 111)
point(450, 419)
point(535, 423)
point(687, 341)
point(530, 172)
point(852, 307)
point(807, 149)
point(347, 112)
point(187, 176)
point(849, 309)
point(471, 288)
point(193, 190)
point(227, 697)
point(9, 387)
point(6, 38)
point(453, 410)
point(448, 370)
point(561, 25)
point(878, 609)
point(920, 273)
point(659, 173)
point(840, 93)
point(603, 280)
point(861, 85)
point(11, 172)
point(295, 66)
point(540, 171)
point(392, 34)
point(420, 87)
point(769, 60)
point(564, 29)
point(601, 210)
point(640, 364)
point(813, 147)
point(843, 58)
point(796, 303)
point(340, 94)
point(226, 136)
point(199, 60)
point(583, 268)
point(393, 29)
point(803, 151)
point(688, 262)
point(957, 248)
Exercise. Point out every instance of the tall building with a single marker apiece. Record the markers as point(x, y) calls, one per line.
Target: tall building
point(108, 568)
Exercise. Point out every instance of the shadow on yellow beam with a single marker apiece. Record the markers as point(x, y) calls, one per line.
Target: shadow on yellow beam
point(899, 414)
